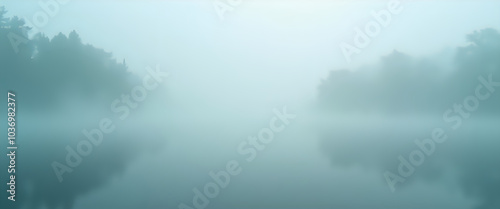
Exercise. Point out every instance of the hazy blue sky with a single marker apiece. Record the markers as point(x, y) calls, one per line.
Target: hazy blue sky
point(296, 42)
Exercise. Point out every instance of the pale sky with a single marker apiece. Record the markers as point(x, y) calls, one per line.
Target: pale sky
point(296, 42)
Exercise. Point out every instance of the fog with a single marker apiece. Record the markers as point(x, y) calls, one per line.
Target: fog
point(339, 123)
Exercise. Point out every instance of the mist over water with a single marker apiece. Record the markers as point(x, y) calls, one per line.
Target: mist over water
point(230, 80)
